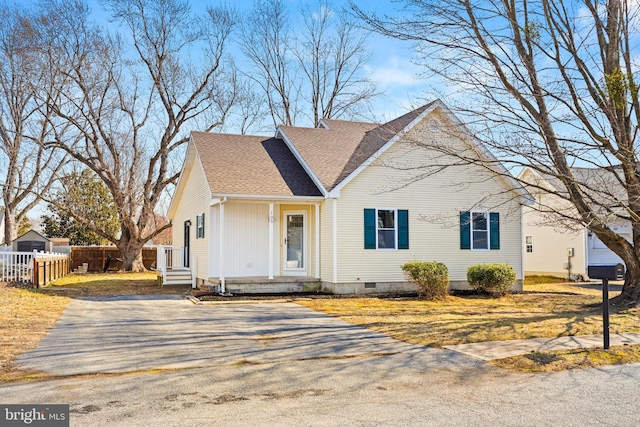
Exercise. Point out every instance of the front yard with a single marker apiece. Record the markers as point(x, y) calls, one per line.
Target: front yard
point(563, 309)
point(560, 309)
point(26, 315)
point(544, 310)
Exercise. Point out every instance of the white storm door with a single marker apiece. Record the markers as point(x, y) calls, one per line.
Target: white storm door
point(295, 242)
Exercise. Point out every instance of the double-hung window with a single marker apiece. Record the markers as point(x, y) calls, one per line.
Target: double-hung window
point(200, 226)
point(479, 230)
point(386, 229)
point(528, 241)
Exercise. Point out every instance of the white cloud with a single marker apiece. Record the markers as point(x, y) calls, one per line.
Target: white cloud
point(395, 72)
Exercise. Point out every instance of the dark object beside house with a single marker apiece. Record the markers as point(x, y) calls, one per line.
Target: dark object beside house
point(609, 272)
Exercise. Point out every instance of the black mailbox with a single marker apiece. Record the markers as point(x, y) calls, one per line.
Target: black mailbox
point(609, 272)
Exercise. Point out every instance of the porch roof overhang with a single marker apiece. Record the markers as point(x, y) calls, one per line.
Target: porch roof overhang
point(215, 198)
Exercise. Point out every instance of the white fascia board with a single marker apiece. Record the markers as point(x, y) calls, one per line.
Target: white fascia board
point(323, 124)
point(538, 176)
point(217, 196)
point(334, 194)
point(300, 160)
point(192, 157)
point(384, 148)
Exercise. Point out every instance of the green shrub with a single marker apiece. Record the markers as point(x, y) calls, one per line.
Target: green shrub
point(491, 278)
point(431, 278)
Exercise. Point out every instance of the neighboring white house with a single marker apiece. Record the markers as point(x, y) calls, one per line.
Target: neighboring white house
point(338, 208)
point(556, 247)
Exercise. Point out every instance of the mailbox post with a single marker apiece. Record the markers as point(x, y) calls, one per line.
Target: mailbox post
point(604, 272)
point(605, 312)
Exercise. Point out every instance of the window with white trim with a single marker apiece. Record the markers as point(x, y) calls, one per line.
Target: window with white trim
point(479, 230)
point(200, 226)
point(528, 242)
point(386, 230)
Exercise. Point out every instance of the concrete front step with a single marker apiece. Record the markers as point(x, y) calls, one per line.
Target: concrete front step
point(258, 285)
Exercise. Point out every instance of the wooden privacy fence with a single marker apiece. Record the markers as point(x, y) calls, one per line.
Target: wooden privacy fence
point(49, 267)
point(96, 257)
point(37, 268)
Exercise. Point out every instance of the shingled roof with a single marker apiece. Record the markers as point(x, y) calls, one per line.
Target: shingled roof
point(252, 165)
point(257, 165)
point(334, 152)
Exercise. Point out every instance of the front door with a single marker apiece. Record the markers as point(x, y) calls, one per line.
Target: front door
point(187, 238)
point(295, 259)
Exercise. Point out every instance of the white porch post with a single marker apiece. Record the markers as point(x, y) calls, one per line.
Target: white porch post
point(317, 218)
point(271, 219)
point(335, 240)
point(222, 284)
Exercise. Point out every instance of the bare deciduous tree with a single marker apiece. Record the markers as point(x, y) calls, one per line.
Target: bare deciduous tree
point(555, 83)
point(128, 108)
point(333, 57)
point(28, 169)
point(315, 71)
point(265, 41)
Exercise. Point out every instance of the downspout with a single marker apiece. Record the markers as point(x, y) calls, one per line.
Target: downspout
point(585, 256)
point(317, 249)
point(335, 241)
point(223, 288)
point(523, 242)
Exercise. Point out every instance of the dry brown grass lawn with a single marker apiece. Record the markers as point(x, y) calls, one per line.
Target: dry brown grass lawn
point(545, 310)
point(25, 318)
point(553, 361)
point(465, 319)
point(26, 315)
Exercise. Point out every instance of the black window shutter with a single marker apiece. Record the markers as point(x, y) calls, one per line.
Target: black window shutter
point(369, 228)
point(465, 230)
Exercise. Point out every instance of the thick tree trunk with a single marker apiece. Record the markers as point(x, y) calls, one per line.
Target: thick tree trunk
point(631, 290)
point(131, 256)
point(10, 226)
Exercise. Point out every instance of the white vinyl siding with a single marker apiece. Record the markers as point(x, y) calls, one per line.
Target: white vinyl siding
point(193, 201)
point(434, 204)
point(326, 240)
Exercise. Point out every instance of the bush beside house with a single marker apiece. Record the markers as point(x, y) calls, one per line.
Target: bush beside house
point(431, 278)
point(494, 279)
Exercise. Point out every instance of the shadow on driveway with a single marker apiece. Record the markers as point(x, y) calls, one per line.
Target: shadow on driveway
point(134, 333)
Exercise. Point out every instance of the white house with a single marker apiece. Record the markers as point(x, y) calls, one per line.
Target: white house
point(338, 208)
point(561, 248)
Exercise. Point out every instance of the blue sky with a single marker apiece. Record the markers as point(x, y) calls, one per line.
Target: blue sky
point(391, 66)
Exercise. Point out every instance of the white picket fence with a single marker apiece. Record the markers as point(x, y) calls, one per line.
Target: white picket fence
point(18, 266)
